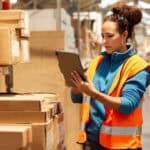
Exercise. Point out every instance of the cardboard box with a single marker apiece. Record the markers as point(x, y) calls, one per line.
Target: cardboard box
point(43, 136)
point(14, 18)
point(12, 23)
point(11, 14)
point(9, 47)
point(24, 116)
point(42, 72)
point(27, 102)
point(15, 137)
point(47, 40)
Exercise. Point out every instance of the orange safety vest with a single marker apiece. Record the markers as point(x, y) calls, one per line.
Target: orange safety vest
point(133, 65)
point(123, 131)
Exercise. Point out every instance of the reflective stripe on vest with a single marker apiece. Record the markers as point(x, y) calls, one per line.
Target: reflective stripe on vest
point(123, 131)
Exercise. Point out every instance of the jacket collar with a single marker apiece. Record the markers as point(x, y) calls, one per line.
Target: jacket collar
point(118, 56)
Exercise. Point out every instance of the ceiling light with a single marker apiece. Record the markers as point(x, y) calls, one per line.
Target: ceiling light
point(13, 1)
point(130, 4)
point(144, 5)
point(106, 3)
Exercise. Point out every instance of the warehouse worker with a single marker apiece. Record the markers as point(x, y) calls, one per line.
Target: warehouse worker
point(115, 82)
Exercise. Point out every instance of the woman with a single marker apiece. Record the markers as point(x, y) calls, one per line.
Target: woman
point(117, 86)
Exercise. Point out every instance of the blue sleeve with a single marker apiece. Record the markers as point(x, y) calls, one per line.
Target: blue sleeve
point(133, 91)
point(76, 98)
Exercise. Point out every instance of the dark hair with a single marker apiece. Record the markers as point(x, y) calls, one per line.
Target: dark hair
point(125, 16)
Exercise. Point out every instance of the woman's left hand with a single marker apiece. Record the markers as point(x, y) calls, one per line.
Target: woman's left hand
point(85, 86)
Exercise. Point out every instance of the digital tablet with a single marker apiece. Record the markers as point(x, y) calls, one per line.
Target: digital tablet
point(69, 62)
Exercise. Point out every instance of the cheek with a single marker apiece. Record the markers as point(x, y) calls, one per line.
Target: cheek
point(117, 41)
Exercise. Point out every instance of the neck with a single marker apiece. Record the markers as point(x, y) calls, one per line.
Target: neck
point(123, 49)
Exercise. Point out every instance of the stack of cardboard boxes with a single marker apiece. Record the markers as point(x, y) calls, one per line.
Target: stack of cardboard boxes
point(31, 122)
point(27, 121)
point(14, 34)
point(42, 73)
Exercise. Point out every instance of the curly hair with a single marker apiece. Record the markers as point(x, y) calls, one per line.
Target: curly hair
point(125, 16)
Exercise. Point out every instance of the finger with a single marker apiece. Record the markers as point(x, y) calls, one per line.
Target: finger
point(85, 77)
point(76, 79)
point(76, 76)
point(74, 82)
point(73, 76)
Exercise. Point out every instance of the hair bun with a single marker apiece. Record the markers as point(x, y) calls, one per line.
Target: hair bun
point(131, 13)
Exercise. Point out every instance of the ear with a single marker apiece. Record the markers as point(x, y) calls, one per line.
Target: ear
point(125, 35)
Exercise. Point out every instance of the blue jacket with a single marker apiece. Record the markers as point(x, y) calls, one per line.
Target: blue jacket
point(103, 78)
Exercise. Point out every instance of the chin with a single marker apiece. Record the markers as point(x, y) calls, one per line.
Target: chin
point(109, 51)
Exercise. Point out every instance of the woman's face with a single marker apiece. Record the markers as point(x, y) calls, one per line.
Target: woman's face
point(112, 40)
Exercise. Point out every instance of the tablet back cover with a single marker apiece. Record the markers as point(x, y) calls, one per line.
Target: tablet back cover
point(69, 62)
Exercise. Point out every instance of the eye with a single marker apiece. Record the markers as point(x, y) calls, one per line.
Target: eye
point(107, 36)
point(110, 35)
